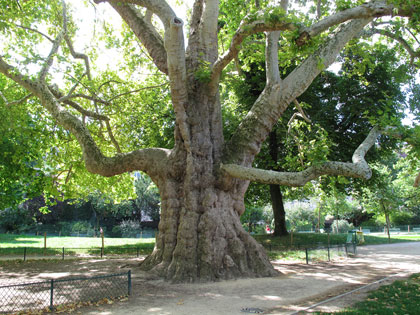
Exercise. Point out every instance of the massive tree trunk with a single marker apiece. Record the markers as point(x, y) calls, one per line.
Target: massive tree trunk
point(201, 237)
point(200, 233)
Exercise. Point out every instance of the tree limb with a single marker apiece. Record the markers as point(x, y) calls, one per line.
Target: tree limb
point(246, 141)
point(358, 169)
point(272, 52)
point(365, 11)
point(50, 59)
point(159, 7)
point(111, 136)
point(413, 54)
point(76, 55)
point(174, 44)
point(245, 30)
point(67, 100)
point(151, 161)
point(135, 91)
point(88, 97)
point(302, 113)
point(145, 32)
point(34, 30)
point(7, 103)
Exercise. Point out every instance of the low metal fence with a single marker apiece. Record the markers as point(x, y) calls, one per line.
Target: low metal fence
point(48, 294)
point(315, 252)
point(25, 253)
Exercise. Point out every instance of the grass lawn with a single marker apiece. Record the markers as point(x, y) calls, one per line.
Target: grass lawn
point(400, 297)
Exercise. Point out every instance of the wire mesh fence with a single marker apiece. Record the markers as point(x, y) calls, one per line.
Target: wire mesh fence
point(25, 253)
point(47, 294)
point(313, 252)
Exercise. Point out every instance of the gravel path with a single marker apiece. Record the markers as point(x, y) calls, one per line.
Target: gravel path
point(297, 287)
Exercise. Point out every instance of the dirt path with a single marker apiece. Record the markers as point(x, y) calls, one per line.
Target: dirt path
point(297, 286)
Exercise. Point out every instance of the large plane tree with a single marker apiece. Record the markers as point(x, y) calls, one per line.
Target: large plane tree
point(202, 178)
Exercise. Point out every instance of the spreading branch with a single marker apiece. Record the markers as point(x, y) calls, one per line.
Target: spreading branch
point(151, 161)
point(76, 55)
point(34, 30)
point(8, 104)
point(159, 7)
point(245, 30)
point(365, 11)
point(357, 169)
point(246, 141)
point(413, 54)
point(50, 59)
point(145, 32)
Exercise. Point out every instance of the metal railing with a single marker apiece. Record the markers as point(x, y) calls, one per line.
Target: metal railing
point(315, 252)
point(48, 294)
point(25, 253)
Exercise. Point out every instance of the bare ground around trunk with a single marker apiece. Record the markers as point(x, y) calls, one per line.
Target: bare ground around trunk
point(297, 287)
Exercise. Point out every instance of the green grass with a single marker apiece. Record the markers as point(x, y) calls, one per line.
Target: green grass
point(400, 297)
point(14, 244)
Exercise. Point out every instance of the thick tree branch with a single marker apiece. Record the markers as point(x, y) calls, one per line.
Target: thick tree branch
point(194, 32)
point(245, 30)
point(272, 52)
point(151, 161)
point(246, 141)
point(174, 44)
point(365, 11)
point(358, 169)
point(159, 7)
point(145, 32)
point(208, 30)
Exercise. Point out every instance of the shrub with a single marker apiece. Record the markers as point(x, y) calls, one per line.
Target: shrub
point(129, 228)
point(343, 226)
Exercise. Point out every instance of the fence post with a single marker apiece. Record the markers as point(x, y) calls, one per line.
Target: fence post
point(45, 242)
point(63, 253)
point(24, 254)
point(306, 254)
point(52, 295)
point(137, 252)
point(103, 242)
point(129, 282)
point(328, 247)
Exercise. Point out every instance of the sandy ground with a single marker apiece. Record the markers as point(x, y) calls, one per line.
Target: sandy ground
point(297, 287)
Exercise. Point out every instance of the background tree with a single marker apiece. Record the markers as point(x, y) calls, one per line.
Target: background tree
point(202, 178)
